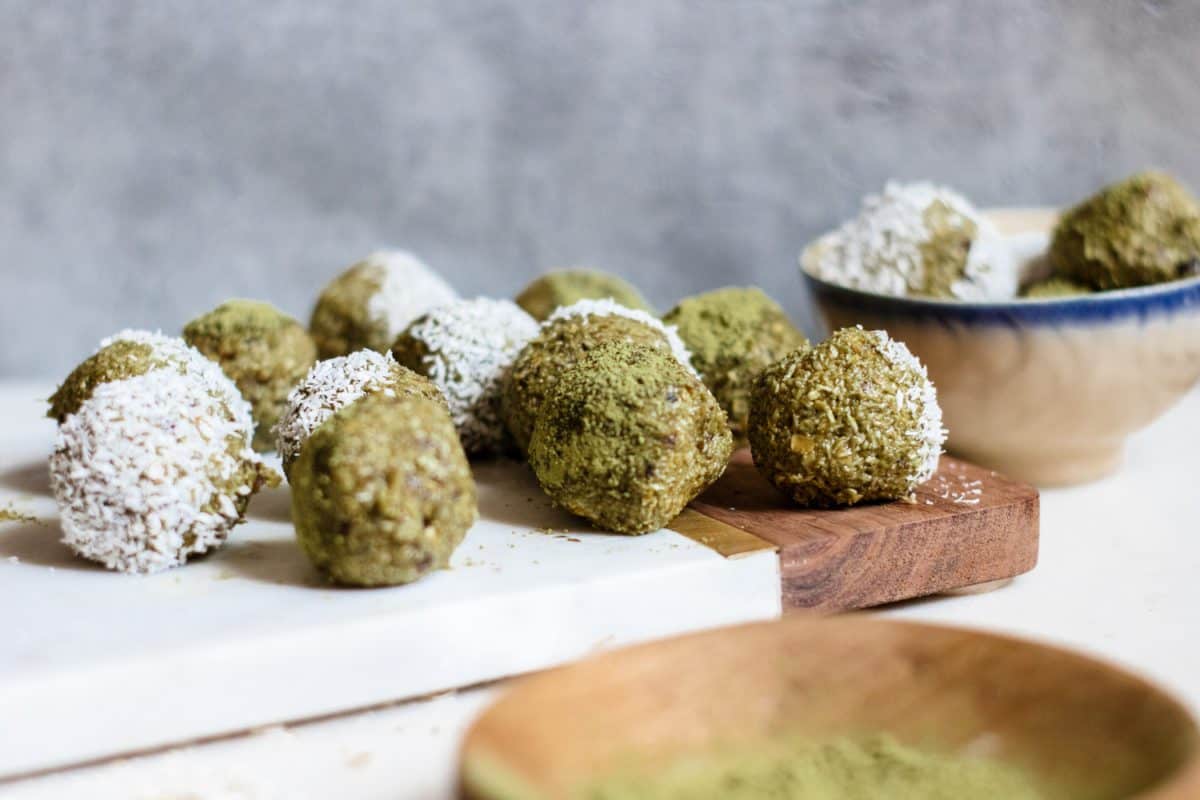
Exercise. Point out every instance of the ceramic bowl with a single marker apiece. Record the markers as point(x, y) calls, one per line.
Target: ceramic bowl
point(1045, 390)
point(1081, 728)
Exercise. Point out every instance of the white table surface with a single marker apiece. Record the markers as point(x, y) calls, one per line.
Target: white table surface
point(1119, 577)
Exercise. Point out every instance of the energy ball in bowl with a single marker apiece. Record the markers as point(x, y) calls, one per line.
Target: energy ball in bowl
point(370, 303)
point(733, 333)
point(628, 438)
point(851, 420)
point(466, 348)
point(383, 493)
point(336, 383)
point(1143, 230)
point(566, 337)
point(565, 287)
point(131, 353)
point(262, 350)
point(153, 469)
point(917, 239)
point(1054, 287)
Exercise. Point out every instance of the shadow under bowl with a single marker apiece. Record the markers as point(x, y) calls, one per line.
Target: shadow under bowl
point(1045, 390)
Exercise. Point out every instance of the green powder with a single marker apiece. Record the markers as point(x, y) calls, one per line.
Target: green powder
point(1055, 287)
point(871, 768)
point(120, 360)
point(945, 253)
point(10, 514)
point(565, 287)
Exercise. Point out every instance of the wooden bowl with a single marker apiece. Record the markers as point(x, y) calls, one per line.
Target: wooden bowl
point(1071, 720)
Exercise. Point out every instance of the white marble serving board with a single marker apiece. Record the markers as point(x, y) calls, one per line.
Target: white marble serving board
point(95, 664)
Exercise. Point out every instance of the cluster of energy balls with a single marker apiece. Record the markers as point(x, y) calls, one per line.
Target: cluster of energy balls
point(376, 408)
point(923, 240)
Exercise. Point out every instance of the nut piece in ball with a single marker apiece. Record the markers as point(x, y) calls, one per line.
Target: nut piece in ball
point(627, 438)
point(567, 286)
point(262, 350)
point(733, 333)
point(852, 420)
point(382, 493)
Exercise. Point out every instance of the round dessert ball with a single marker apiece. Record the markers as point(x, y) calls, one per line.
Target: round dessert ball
point(383, 493)
point(570, 333)
point(852, 420)
point(336, 383)
point(567, 286)
point(262, 350)
point(152, 469)
point(733, 333)
point(917, 239)
point(628, 438)
point(370, 303)
point(1142, 230)
point(130, 353)
point(466, 348)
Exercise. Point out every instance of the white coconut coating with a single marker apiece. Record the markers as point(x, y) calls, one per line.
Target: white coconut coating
point(328, 387)
point(608, 307)
point(880, 249)
point(469, 346)
point(407, 289)
point(190, 362)
point(922, 396)
point(148, 471)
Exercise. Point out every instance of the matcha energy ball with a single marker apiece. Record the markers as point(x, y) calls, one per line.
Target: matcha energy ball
point(851, 420)
point(152, 469)
point(370, 303)
point(334, 384)
point(467, 348)
point(1142, 230)
point(628, 438)
point(917, 239)
point(733, 333)
point(262, 350)
point(567, 286)
point(382, 493)
point(569, 334)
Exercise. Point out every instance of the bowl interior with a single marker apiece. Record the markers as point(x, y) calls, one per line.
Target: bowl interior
point(1080, 725)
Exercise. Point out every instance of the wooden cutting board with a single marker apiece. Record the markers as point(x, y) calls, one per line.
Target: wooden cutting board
point(968, 526)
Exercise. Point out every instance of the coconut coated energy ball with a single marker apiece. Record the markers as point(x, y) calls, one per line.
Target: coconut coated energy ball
point(135, 352)
point(852, 420)
point(370, 303)
point(466, 348)
point(153, 469)
point(627, 438)
point(262, 350)
point(382, 493)
point(1142, 230)
point(917, 239)
point(569, 334)
point(733, 333)
point(332, 385)
point(568, 286)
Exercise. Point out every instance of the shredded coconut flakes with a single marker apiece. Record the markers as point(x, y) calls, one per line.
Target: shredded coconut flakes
point(608, 307)
point(921, 395)
point(328, 387)
point(142, 471)
point(471, 344)
point(407, 289)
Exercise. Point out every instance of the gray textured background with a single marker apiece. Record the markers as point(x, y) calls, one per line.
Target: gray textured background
point(157, 157)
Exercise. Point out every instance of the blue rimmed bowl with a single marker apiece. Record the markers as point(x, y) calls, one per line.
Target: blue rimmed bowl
point(1046, 390)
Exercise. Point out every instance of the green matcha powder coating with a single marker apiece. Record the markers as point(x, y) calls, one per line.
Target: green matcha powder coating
point(870, 768)
point(826, 426)
point(382, 492)
point(628, 438)
point(1055, 287)
point(564, 287)
point(733, 334)
point(1142, 230)
point(120, 360)
point(558, 347)
point(262, 350)
point(341, 322)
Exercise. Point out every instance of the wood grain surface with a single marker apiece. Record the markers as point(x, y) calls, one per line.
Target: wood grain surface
point(968, 526)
